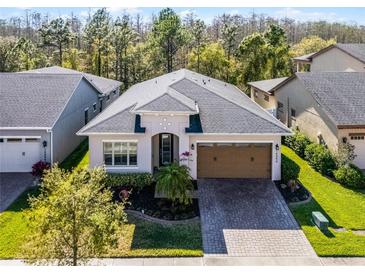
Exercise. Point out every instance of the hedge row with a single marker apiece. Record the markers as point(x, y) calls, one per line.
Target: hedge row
point(322, 160)
point(133, 180)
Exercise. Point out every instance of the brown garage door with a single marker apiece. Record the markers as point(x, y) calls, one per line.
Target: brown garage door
point(234, 160)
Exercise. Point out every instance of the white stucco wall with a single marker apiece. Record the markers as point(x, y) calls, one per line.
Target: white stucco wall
point(154, 124)
point(359, 144)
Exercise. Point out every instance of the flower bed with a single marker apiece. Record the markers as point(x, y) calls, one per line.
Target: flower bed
point(293, 193)
point(162, 208)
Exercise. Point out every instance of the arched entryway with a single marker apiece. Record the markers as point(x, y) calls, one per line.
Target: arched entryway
point(165, 149)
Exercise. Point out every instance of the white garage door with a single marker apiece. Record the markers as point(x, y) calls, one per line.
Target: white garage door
point(18, 154)
point(358, 140)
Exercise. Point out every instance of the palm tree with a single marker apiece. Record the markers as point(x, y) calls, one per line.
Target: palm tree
point(175, 182)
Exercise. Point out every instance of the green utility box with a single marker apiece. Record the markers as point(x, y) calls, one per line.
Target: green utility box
point(319, 220)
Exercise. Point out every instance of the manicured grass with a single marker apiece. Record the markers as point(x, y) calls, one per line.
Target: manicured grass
point(78, 158)
point(342, 206)
point(139, 238)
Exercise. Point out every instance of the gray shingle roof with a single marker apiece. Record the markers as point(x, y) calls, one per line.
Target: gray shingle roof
point(34, 100)
point(105, 85)
point(341, 94)
point(165, 103)
point(356, 50)
point(268, 85)
point(123, 121)
point(223, 108)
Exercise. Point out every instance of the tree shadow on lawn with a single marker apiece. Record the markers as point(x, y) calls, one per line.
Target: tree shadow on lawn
point(21, 203)
point(148, 235)
point(76, 156)
point(303, 214)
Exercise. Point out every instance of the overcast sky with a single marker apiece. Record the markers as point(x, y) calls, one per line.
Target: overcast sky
point(345, 15)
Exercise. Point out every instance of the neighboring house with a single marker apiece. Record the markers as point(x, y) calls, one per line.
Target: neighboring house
point(329, 107)
point(108, 87)
point(338, 57)
point(166, 118)
point(263, 93)
point(41, 112)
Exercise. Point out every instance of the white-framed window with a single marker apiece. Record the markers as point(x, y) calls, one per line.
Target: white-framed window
point(108, 97)
point(86, 115)
point(115, 92)
point(94, 107)
point(256, 93)
point(119, 153)
point(266, 97)
point(14, 140)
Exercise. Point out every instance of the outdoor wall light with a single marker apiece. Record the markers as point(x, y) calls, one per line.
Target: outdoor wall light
point(44, 143)
point(277, 147)
point(192, 147)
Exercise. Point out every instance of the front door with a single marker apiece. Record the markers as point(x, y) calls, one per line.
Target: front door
point(166, 154)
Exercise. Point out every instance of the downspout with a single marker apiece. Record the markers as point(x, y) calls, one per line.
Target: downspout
point(51, 146)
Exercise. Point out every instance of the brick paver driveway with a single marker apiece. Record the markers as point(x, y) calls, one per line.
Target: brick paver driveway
point(248, 218)
point(11, 186)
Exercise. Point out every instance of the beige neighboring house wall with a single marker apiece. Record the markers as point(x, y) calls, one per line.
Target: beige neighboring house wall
point(258, 96)
point(309, 117)
point(358, 143)
point(336, 60)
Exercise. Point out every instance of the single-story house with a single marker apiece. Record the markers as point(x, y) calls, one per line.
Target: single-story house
point(42, 111)
point(329, 107)
point(209, 125)
point(337, 57)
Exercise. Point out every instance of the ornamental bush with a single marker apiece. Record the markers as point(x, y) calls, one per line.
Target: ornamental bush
point(136, 181)
point(289, 169)
point(350, 175)
point(39, 168)
point(298, 142)
point(320, 158)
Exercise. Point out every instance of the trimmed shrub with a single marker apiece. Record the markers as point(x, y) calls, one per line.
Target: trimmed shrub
point(350, 176)
point(133, 180)
point(298, 142)
point(39, 168)
point(289, 169)
point(320, 158)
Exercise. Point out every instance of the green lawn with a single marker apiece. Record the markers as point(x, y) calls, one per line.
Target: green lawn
point(139, 238)
point(343, 207)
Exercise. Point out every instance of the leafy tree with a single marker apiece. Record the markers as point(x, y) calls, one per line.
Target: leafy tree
point(97, 36)
point(73, 218)
point(175, 182)
point(213, 61)
point(264, 55)
point(198, 33)
point(345, 154)
point(229, 36)
point(72, 59)
point(168, 35)
point(25, 50)
point(253, 53)
point(310, 44)
point(122, 37)
point(279, 59)
point(57, 34)
point(7, 60)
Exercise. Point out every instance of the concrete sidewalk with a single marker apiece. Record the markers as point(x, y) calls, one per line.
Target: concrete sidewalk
point(216, 261)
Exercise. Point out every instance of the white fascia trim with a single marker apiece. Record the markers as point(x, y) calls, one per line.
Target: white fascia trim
point(121, 168)
point(20, 136)
point(240, 134)
point(117, 140)
point(165, 112)
point(25, 128)
point(107, 133)
point(236, 141)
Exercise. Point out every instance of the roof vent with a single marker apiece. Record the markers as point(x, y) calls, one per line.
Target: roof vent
point(155, 81)
point(204, 82)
